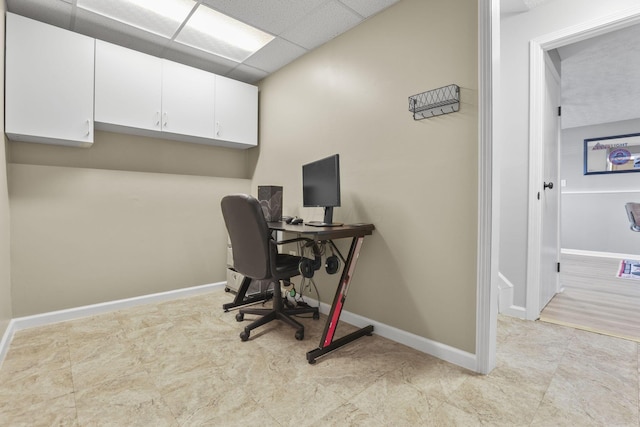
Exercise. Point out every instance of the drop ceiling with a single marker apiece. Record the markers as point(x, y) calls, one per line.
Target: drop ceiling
point(297, 26)
point(598, 76)
point(599, 79)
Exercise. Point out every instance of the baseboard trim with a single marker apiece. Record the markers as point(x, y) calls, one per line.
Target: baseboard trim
point(434, 348)
point(6, 340)
point(441, 351)
point(505, 299)
point(599, 254)
point(26, 322)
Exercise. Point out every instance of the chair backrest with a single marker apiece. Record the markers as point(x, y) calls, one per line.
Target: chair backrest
point(633, 212)
point(249, 235)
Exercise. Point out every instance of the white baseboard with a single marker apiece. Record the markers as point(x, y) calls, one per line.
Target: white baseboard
point(599, 254)
point(6, 340)
point(425, 345)
point(505, 299)
point(434, 348)
point(43, 319)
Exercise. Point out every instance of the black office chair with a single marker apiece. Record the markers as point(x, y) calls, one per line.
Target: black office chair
point(255, 255)
point(633, 213)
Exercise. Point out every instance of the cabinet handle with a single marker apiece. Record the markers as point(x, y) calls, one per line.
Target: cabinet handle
point(217, 128)
point(157, 118)
point(165, 119)
point(88, 127)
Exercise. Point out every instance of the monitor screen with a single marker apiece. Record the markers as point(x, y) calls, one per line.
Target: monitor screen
point(321, 182)
point(321, 186)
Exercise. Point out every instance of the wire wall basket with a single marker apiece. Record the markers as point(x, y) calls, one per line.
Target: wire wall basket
point(436, 102)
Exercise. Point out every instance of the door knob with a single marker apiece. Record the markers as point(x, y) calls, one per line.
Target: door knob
point(548, 185)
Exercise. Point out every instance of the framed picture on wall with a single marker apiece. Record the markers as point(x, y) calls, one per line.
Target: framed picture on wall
point(612, 154)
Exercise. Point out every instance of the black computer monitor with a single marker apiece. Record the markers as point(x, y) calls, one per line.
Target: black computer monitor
point(321, 187)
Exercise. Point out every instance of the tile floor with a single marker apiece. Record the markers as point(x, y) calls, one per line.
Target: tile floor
point(182, 363)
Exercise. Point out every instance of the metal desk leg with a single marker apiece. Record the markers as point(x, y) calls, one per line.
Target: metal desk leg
point(327, 343)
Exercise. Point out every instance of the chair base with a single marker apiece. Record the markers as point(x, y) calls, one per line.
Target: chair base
point(278, 312)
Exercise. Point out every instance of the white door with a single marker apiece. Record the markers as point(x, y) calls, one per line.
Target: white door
point(550, 194)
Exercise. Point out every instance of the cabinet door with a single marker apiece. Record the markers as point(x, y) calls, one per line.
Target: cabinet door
point(236, 111)
point(187, 100)
point(128, 85)
point(49, 83)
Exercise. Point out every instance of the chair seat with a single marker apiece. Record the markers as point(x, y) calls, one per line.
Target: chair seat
point(286, 266)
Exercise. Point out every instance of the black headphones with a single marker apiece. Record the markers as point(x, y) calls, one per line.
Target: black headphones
point(306, 267)
point(332, 264)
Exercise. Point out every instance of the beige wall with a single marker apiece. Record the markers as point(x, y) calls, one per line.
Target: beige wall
point(137, 153)
point(415, 180)
point(5, 261)
point(83, 236)
point(129, 216)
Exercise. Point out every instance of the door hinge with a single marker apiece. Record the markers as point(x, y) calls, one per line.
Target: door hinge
point(558, 267)
point(559, 111)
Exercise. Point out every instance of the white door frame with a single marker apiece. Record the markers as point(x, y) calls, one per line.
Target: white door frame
point(488, 203)
point(538, 48)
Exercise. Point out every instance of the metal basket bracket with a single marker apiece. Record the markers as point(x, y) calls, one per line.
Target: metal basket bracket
point(436, 102)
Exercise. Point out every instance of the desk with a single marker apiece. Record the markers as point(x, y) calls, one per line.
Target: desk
point(356, 232)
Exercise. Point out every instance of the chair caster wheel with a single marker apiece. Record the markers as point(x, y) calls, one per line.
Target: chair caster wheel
point(299, 335)
point(244, 335)
point(316, 315)
point(240, 317)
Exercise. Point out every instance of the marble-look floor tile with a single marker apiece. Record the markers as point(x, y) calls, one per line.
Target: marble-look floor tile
point(582, 396)
point(182, 363)
point(34, 388)
point(54, 333)
point(131, 400)
point(349, 415)
point(59, 411)
point(95, 362)
point(404, 404)
point(41, 355)
point(497, 400)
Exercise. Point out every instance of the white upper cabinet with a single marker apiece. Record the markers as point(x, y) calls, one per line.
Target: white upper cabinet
point(50, 95)
point(187, 100)
point(157, 97)
point(236, 111)
point(128, 88)
point(49, 76)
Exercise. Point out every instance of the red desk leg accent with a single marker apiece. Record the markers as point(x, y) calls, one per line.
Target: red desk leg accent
point(327, 342)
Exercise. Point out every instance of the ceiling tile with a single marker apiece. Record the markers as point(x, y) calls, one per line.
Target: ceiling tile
point(298, 25)
point(244, 73)
point(273, 16)
point(322, 25)
point(196, 58)
point(275, 55)
point(222, 35)
point(119, 33)
point(160, 18)
point(367, 8)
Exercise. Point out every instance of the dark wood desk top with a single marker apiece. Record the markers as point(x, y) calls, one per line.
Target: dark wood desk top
point(325, 233)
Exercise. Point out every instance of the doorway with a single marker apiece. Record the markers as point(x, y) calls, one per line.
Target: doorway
point(538, 255)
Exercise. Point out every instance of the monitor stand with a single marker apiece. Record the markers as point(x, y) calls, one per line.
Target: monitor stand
point(328, 219)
